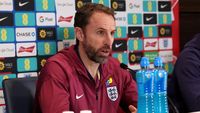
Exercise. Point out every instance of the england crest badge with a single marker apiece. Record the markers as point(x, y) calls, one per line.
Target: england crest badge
point(112, 93)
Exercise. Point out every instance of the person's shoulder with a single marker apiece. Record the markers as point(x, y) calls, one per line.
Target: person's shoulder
point(63, 55)
point(194, 42)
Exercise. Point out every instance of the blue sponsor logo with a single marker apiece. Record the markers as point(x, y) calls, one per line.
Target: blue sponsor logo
point(45, 5)
point(122, 57)
point(65, 33)
point(46, 48)
point(120, 32)
point(24, 19)
point(165, 43)
point(165, 18)
point(104, 2)
point(134, 19)
point(26, 64)
point(150, 31)
point(6, 76)
point(7, 35)
point(149, 6)
point(135, 45)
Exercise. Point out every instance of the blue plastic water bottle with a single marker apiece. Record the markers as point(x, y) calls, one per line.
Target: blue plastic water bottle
point(160, 87)
point(144, 78)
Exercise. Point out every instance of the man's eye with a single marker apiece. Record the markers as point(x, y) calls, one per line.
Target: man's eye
point(100, 32)
point(112, 33)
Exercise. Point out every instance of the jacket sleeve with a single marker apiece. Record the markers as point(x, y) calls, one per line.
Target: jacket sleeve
point(130, 94)
point(187, 71)
point(52, 93)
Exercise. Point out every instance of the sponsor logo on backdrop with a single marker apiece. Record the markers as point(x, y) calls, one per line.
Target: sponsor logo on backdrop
point(149, 6)
point(6, 76)
point(135, 31)
point(65, 19)
point(25, 19)
point(165, 43)
point(150, 18)
point(120, 18)
point(135, 18)
point(3, 109)
point(165, 31)
point(119, 45)
point(118, 5)
point(167, 56)
point(26, 75)
point(7, 50)
point(42, 61)
point(150, 44)
point(122, 57)
point(45, 19)
point(2, 101)
point(65, 33)
point(8, 65)
point(6, 19)
point(46, 48)
point(164, 6)
point(165, 18)
point(27, 64)
point(6, 5)
point(80, 3)
point(45, 5)
point(7, 35)
point(26, 49)
point(25, 34)
point(46, 33)
point(27, 5)
point(65, 44)
point(150, 31)
point(120, 32)
point(135, 44)
point(134, 57)
point(134, 6)
point(151, 55)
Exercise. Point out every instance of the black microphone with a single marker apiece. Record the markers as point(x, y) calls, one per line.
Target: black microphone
point(132, 72)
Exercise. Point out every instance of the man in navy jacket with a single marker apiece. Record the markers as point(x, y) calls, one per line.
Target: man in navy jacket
point(185, 86)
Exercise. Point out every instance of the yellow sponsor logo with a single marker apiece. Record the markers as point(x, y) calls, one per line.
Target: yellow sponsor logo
point(2, 66)
point(5, 77)
point(43, 33)
point(115, 5)
point(43, 61)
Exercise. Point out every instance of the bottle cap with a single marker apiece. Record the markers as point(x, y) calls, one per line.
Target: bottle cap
point(144, 62)
point(67, 112)
point(85, 111)
point(158, 61)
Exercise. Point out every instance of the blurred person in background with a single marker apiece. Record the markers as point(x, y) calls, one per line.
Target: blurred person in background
point(184, 87)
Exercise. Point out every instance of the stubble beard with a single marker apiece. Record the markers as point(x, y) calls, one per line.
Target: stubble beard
point(93, 54)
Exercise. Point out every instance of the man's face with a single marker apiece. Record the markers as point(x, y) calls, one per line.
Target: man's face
point(98, 37)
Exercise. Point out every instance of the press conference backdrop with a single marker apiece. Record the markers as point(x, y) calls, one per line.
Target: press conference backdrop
point(31, 31)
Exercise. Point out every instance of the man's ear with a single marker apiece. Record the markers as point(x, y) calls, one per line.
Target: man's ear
point(79, 33)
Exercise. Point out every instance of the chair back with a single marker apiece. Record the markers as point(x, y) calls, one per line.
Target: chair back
point(19, 94)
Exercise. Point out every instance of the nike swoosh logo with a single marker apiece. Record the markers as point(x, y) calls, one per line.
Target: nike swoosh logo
point(118, 45)
point(149, 18)
point(163, 6)
point(133, 32)
point(1, 19)
point(78, 97)
point(22, 4)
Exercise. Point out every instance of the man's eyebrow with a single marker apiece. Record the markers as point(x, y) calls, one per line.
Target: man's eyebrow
point(101, 28)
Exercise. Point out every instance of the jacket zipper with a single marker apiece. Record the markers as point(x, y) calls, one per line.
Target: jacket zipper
point(96, 94)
